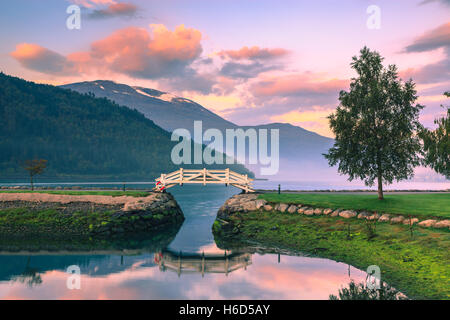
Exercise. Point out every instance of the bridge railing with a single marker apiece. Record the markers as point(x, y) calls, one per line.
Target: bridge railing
point(204, 176)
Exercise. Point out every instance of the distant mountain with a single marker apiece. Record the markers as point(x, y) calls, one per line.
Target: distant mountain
point(300, 150)
point(80, 135)
point(166, 110)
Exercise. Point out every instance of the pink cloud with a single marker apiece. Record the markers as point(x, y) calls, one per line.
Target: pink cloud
point(136, 52)
point(131, 51)
point(433, 39)
point(35, 57)
point(114, 10)
point(297, 84)
point(253, 53)
point(93, 3)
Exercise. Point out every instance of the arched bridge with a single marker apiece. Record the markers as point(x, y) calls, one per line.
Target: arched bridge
point(204, 177)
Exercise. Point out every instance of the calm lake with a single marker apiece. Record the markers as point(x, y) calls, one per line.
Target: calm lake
point(186, 264)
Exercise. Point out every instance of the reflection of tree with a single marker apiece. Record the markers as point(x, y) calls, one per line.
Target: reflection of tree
point(31, 276)
point(361, 292)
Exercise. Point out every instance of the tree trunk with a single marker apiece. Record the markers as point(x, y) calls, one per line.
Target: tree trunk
point(380, 186)
point(31, 182)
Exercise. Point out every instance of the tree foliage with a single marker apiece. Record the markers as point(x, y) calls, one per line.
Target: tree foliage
point(436, 144)
point(376, 124)
point(35, 167)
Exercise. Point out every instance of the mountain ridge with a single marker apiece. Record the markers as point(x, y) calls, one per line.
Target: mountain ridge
point(300, 149)
point(80, 135)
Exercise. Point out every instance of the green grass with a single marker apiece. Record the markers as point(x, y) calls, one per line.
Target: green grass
point(84, 192)
point(24, 221)
point(416, 265)
point(424, 205)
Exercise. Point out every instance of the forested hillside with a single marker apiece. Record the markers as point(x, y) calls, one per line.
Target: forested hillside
point(80, 135)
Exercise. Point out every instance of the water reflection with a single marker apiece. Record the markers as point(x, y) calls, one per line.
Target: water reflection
point(155, 269)
point(180, 262)
point(249, 276)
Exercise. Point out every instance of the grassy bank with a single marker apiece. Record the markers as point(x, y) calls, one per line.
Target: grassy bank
point(424, 205)
point(417, 265)
point(27, 222)
point(83, 192)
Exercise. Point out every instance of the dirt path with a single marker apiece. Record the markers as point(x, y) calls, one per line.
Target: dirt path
point(45, 197)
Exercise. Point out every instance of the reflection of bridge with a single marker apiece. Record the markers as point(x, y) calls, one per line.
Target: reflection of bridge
point(201, 263)
point(203, 176)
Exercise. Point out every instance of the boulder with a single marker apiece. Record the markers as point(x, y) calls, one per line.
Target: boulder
point(442, 224)
point(409, 221)
point(427, 223)
point(347, 214)
point(292, 208)
point(302, 210)
point(318, 211)
point(398, 219)
point(260, 203)
point(363, 215)
point(283, 207)
point(268, 207)
point(309, 212)
point(373, 216)
point(335, 213)
point(327, 211)
point(277, 207)
point(249, 206)
point(385, 218)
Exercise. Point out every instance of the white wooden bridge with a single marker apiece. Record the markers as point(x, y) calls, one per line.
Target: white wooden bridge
point(204, 177)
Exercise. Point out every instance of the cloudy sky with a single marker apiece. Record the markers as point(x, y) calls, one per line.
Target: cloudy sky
point(251, 61)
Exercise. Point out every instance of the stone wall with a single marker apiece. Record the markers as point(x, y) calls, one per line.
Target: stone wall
point(250, 202)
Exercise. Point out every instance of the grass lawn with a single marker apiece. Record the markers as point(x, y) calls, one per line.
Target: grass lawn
point(416, 264)
point(83, 192)
point(421, 204)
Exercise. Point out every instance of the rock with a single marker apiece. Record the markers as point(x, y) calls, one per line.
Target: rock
point(283, 207)
point(249, 206)
point(398, 219)
point(385, 218)
point(327, 211)
point(268, 207)
point(442, 224)
point(277, 207)
point(363, 215)
point(260, 203)
point(409, 221)
point(318, 211)
point(427, 223)
point(335, 213)
point(292, 208)
point(302, 210)
point(347, 214)
point(373, 216)
point(309, 212)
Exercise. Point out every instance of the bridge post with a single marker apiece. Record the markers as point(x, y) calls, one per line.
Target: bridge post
point(204, 176)
point(227, 176)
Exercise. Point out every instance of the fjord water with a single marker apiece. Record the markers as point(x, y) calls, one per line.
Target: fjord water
point(150, 273)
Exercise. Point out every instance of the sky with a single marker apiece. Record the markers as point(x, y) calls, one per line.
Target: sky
point(250, 61)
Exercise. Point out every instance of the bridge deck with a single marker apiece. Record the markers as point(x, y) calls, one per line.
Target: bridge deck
point(204, 177)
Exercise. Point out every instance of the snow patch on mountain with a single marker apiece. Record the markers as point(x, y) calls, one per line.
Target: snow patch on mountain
point(164, 96)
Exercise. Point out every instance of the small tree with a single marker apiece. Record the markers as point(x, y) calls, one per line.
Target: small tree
point(35, 167)
point(376, 125)
point(436, 144)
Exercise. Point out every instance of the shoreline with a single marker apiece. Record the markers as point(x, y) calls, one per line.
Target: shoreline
point(412, 258)
point(58, 216)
